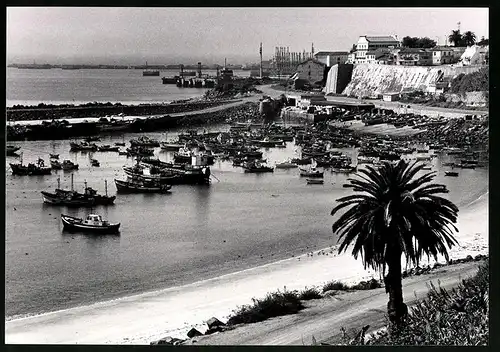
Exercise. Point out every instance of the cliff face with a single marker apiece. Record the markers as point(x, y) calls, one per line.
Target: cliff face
point(372, 79)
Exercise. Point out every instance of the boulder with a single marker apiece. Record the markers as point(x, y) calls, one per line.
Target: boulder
point(214, 322)
point(193, 333)
point(469, 258)
point(167, 341)
point(214, 329)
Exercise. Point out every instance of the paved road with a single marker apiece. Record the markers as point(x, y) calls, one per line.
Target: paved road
point(324, 318)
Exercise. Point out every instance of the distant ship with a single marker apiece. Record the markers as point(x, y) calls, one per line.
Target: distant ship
point(150, 72)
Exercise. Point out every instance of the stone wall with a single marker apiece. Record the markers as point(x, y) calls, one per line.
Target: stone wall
point(371, 80)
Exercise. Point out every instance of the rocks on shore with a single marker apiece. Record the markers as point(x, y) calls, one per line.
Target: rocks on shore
point(168, 341)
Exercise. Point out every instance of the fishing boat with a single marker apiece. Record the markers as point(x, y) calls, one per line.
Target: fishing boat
point(451, 173)
point(132, 185)
point(11, 150)
point(144, 141)
point(30, 169)
point(285, 165)
point(171, 146)
point(83, 146)
point(68, 165)
point(314, 181)
point(108, 148)
point(120, 144)
point(92, 223)
point(55, 165)
point(256, 167)
point(311, 173)
point(90, 197)
point(95, 162)
point(140, 151)
point(344, 169)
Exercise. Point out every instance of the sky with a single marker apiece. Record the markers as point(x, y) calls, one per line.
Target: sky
point(121, 35)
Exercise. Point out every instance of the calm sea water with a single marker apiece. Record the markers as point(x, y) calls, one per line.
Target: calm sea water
point(57, 86)
point(196, 232)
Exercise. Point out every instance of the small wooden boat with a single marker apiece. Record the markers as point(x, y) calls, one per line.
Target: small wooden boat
point(285, 165)
point(54, 156)
point(83, 146)
point(120, 144)
point(108, 148)
point(311, 173)
point(69, 165)
point(314, 181)
point(141, 186)
point(95, 162)
point(92, 223)
point(144, 141)
point(451, 173)
point(55, 165)
point(171, 146)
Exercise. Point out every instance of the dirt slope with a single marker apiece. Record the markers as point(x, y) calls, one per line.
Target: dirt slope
point(323, 318)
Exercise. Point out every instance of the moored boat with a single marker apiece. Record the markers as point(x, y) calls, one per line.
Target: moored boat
point(144, 141)
point(451, 173)
point(286, 165)
point(314, 181)
point(95, 162)
point(30, 169)
point(108, 148)
point(69, 165)
point(92, 223)
point(132, 185)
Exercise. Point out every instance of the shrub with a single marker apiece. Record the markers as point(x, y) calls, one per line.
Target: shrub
point(310, 293)
point(335, 285)
point(367, 285)
point(273, 305)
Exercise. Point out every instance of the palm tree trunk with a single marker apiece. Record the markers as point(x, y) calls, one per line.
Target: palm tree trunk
point(396, 308)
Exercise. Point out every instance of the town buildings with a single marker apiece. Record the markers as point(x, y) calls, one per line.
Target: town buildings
point(443, 56)
point(414, 57)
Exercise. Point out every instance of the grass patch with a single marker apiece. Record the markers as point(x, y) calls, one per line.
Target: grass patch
point(340, 286)
point(310, 293)
point(273, 305)
point(456, 317)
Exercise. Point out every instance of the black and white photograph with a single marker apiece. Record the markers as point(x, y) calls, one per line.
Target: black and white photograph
point(308, 176)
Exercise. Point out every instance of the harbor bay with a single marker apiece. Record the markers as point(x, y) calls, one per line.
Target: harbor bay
point(236, 222)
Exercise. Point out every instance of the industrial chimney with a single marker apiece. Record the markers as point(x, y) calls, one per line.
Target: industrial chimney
point(199, 69)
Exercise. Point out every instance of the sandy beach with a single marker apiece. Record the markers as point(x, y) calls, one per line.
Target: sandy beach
point(143, 318)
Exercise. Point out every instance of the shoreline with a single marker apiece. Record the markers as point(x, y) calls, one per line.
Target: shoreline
point(140, 319)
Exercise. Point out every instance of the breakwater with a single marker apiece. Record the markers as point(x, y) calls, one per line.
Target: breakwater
point(370, 80)
point(49, 112)
point(59, 130)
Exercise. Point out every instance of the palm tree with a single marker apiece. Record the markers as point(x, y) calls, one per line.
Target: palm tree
point(455, 37)
point(397, 214)
point(469, 38)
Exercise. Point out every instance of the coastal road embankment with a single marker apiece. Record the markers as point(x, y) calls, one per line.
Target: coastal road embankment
point(324, 318)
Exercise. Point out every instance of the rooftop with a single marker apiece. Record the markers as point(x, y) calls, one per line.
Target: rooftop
point(323, 53)
point(390, 39)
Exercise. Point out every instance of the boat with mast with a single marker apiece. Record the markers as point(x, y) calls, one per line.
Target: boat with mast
point(31, 169)
point(89, 198)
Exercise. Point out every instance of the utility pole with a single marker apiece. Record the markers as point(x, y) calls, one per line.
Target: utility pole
point(260, 51)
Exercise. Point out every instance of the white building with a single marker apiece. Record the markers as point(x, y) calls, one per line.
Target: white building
point(371, 43)
point(330, 58)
